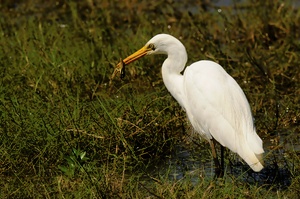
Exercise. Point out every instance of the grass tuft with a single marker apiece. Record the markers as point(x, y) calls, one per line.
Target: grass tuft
point(66, 133)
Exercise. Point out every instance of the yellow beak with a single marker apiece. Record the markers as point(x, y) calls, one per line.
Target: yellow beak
point(138, 54)
point(120, 68)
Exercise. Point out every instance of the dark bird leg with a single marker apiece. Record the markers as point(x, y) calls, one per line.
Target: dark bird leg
point(222, 159)
point(219, 169)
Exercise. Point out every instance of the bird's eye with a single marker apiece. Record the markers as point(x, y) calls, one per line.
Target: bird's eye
point(151, 46)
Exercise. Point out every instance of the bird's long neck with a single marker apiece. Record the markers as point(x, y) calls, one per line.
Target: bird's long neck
point(172, 77)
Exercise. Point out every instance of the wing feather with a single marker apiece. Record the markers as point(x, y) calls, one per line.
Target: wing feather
point(217, 107)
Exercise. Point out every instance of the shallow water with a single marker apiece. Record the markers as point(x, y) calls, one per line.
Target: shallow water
point(195, 164)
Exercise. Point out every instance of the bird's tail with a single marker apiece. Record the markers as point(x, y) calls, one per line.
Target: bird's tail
point(255, 161)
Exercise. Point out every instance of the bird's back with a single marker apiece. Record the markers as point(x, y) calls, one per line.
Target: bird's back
point(217, 107)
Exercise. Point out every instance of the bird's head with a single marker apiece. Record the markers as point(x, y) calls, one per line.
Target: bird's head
point(159, 44)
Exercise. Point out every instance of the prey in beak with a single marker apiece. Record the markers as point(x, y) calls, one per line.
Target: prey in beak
point(120, 68)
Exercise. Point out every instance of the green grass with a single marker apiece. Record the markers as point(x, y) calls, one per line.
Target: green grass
point(66, 133)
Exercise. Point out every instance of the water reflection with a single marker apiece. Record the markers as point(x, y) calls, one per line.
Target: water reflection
point(196, 164)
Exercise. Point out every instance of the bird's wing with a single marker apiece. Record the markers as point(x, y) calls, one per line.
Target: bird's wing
point(217, 106)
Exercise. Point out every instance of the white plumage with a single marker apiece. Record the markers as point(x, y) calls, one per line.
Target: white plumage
point(215, 104)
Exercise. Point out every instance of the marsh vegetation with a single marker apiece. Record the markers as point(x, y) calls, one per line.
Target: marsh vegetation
point(66, 133)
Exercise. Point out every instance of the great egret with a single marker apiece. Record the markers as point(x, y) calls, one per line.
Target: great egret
point(215, 105)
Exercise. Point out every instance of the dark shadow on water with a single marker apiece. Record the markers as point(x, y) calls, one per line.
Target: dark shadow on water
point(194, 165)
point(272, 176)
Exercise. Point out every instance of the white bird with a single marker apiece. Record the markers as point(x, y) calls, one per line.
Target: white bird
point(215, 105)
